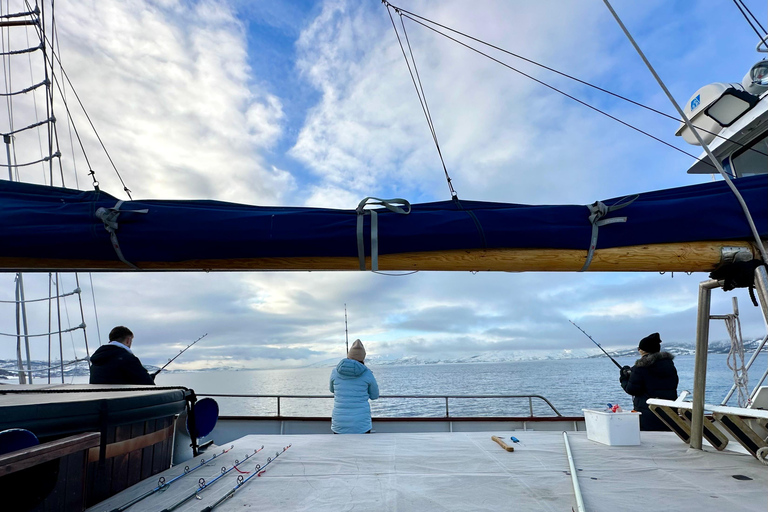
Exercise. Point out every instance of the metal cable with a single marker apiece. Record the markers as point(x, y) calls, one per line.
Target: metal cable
point(69, 121)
point(419, 93)
point(718, 166)
point(95, 312)
point(560, 92)
point(93, 127)
point(739, 5)
point(565, 75)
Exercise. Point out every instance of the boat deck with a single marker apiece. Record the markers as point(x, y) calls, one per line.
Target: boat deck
point(464, 471)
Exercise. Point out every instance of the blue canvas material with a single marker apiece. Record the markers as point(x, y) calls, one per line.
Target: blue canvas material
point(49, 222)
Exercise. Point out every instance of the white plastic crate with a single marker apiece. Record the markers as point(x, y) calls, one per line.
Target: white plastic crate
point(613, 428)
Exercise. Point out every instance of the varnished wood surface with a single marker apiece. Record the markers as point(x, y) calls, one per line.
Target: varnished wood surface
point(28, 457)
point(673, 257)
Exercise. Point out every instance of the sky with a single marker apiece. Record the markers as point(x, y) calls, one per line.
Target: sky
point(303, 103)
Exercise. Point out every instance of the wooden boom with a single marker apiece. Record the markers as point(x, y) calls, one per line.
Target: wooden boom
point(671, 257)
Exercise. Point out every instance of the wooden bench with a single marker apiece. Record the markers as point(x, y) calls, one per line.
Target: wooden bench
point(48, 476)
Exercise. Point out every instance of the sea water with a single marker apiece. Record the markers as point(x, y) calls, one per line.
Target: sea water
point(570, 385)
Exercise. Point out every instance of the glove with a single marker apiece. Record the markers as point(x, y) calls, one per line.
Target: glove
point(626, 371)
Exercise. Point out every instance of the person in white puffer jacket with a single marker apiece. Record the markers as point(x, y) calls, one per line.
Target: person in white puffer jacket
point(352, 384)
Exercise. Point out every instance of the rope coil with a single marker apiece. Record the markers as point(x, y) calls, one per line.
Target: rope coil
point(735, 360)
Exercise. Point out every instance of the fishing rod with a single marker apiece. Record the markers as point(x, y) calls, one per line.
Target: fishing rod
point(163, 485)
point(596, 343)
point(241, 481)
point(346, 330)
point(204, 485)
point(177, 355)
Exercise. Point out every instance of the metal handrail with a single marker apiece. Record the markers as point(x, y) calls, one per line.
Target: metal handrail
point(434, 397)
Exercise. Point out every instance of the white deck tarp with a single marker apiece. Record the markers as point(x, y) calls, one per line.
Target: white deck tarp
point(467, 472)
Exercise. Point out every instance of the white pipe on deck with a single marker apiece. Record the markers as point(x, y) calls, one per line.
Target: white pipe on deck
point(574, 479)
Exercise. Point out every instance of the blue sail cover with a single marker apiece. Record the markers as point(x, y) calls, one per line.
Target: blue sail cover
point(41, 222)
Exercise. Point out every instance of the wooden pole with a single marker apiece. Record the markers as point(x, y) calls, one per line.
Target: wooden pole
point(672, 257)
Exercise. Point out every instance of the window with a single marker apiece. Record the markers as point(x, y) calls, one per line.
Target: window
point(753, 159)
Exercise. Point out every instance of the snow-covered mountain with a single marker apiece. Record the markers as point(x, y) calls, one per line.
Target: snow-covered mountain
point(715, 347)
point(7, 366)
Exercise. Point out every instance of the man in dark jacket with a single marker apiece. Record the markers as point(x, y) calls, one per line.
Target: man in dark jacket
point(114, 363)
point(653, 376)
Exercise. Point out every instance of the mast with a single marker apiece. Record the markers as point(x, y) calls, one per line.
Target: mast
point(21, 157)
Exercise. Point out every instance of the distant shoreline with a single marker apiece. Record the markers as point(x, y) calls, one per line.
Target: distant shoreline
point(8, 367)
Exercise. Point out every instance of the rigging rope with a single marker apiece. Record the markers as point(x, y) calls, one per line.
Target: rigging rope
point(26, 50)
point(96, 314)
point(559, 91)
point(411, 16)
point(69, 120)
point(27, 164)
point(21, 14)
point(93, 127)
point(419, 90)
point(28, 89)
point(46, 368)
point(71, 123)
point(735, 360)
point(53, 131)
point(7, 80)
point(34, 101)
point(27, 301)
point(715, 161)
point(33, 125)
point(739, 4)
point(81, 326)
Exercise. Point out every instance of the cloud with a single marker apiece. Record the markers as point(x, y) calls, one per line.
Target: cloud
point(180, 112)
point(189, 106)
point(368, 130)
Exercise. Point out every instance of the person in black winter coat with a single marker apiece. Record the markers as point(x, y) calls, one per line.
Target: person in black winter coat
point(653, 376)
point(114, 363)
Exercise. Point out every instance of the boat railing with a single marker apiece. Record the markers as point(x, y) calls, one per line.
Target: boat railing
point(445, 398)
